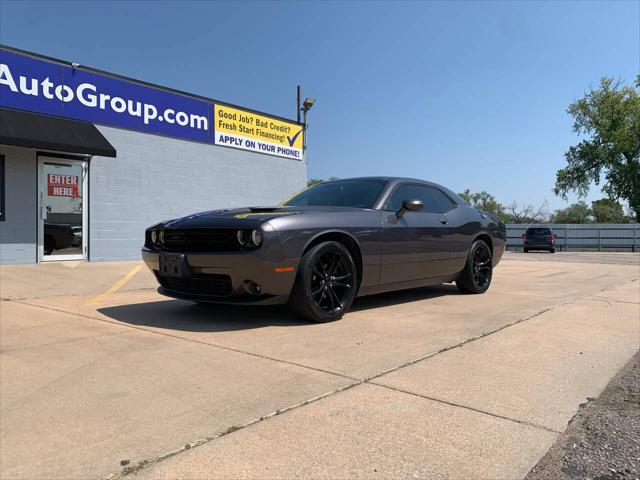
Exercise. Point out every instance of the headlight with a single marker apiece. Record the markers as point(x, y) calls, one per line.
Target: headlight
point(249, 238)
point(161, 236)
point(154, 236)
point(242, 237)
point(256, 237)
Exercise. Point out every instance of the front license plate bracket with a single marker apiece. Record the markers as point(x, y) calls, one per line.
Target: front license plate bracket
point(174, 265)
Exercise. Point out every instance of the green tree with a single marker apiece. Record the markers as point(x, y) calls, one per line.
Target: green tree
point(575, 213)
point(483, 201)
point(314, 181)
point(610, 117)
point(607, 210)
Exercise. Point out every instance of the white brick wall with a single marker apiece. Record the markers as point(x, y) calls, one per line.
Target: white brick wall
point(156, 178)
point(18, 231)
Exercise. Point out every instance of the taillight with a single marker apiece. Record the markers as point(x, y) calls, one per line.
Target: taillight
point(552, 238)
point(524, 237)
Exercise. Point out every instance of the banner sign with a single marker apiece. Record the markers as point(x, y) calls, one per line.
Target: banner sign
point(249, 131)
point(62, 185)
point(42, 86)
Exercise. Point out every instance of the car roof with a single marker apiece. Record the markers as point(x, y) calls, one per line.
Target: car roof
point(386, 179)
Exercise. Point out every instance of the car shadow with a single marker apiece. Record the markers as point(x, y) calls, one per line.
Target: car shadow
point(186, 316)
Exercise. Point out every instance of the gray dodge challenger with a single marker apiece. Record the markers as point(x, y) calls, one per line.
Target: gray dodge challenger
point(326, 245)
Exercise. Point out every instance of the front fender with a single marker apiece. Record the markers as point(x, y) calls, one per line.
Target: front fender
point(297, 233)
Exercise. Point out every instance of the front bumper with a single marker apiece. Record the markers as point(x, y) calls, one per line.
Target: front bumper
point(243, 269)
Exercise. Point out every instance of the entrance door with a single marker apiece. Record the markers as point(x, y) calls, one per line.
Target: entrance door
point(62, 200)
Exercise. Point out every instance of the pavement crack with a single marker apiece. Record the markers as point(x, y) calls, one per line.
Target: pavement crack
point(146, 463)
point(61, 342)
point(130, 469)
point(467, 340)
point(595, 298)
point(71, 295)
point(467, 407)
point(178, 337)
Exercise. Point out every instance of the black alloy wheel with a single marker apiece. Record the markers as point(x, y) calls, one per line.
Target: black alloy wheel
point(477, 273)
point(331, 282)
point(326, 283)
point(482, 266)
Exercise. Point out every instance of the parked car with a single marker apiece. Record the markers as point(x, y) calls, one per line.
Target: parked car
point(57, 237)
point(539, 238)
point(77, 235)
point(326, 245)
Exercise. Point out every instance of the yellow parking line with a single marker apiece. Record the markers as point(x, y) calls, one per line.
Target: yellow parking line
point(116, 286)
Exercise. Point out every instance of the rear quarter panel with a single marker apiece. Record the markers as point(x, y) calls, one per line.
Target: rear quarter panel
point(469, 224)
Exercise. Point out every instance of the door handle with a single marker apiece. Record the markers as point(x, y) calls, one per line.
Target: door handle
point(444, 220)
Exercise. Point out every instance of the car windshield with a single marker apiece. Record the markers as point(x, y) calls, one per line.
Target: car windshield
point(341, 193)
point(539, 231)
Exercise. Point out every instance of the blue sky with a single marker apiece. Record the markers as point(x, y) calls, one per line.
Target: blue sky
point(467, 94)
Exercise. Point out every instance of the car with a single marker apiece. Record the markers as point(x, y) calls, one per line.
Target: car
point(326, 245)
point(77, 235)
point(539, 238)
point(57, 236)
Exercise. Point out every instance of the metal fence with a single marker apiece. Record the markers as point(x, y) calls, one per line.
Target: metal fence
point(600, 237)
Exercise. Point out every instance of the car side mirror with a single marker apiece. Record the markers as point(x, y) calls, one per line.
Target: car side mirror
point(409, 205)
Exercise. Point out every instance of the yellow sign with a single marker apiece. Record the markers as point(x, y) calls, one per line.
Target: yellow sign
point(238, 128)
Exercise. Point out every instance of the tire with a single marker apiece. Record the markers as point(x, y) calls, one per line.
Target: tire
point(526, 250)
point(478, 271)
point(326, 283)
point(49, 245)
point(552, 250)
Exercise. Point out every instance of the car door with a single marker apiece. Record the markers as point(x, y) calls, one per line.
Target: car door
point(415, 246)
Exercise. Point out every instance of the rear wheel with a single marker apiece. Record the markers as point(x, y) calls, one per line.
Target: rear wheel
point(526, 250)
point(552, 250)
point(325, 284)
point(477, 273)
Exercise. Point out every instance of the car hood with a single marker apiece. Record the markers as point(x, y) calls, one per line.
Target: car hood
point(249, 217)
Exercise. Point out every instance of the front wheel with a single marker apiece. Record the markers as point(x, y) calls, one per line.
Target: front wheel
point(325, 284)
point(477, 273)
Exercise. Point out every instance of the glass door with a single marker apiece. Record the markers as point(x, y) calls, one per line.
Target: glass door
point(62, 200)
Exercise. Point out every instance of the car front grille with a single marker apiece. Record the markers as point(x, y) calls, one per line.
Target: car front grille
point(197, 240)
point(200, 284)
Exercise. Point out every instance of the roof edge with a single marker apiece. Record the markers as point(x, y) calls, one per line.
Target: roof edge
point(142, 82)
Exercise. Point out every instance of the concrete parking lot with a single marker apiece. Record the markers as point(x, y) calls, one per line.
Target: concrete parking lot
point(101, 377)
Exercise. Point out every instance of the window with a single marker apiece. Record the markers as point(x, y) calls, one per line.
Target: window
point(2, 189)
point(538, 231)
point(434, 200)
point(341, 193)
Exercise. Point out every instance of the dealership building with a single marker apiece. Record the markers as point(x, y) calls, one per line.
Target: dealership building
point(89, 159)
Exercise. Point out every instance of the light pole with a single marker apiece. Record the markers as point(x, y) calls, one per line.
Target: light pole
point(306, 106)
